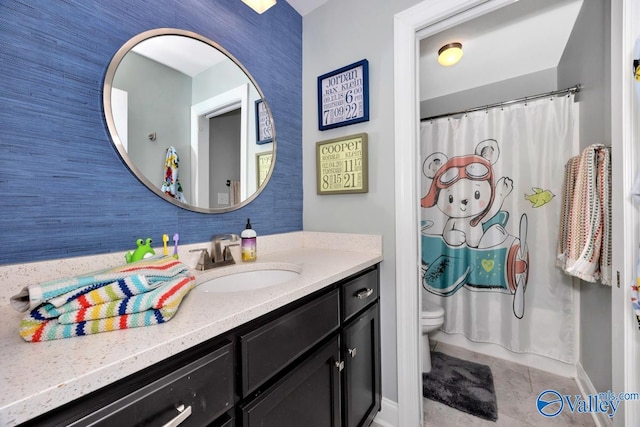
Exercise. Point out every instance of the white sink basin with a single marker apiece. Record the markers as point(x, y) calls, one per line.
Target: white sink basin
point(239, 281)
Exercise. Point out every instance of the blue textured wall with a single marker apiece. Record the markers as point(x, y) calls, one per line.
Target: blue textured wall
point(65, 191)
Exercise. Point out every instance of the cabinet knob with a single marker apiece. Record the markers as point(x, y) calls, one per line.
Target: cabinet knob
point(352, 352)
point(183, 414)
point(339, 364)
point(364, 293)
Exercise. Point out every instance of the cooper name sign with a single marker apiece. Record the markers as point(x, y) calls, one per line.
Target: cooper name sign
point(343, 96)
point(341, 165)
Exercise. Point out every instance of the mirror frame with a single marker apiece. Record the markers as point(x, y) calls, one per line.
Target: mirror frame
point(117, 142)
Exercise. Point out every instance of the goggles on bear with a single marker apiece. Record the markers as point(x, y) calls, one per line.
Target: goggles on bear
point(471, 167)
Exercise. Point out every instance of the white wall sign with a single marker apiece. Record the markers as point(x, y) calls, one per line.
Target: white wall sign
point(343, 96)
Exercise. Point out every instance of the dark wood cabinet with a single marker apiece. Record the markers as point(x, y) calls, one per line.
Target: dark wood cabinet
point(361, 375)
point(361, 348)
point(312, 363)
point(195, 387)
point(359, 293)
point(267, 349)
point(193, 395)
point(337, 385)
point(309, 395)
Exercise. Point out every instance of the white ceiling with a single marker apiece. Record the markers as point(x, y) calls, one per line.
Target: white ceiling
point(303, 7)
point(184, 54)
point(518, 39)
point(522, 38)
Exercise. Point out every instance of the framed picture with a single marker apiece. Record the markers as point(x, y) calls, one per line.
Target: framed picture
point(264, 133)
point(343, 96)
point(263, 165)
point(342, 165)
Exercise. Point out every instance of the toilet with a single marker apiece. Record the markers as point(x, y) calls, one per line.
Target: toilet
point(432, 319)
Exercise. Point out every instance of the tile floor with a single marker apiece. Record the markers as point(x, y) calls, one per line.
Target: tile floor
point(517, 388)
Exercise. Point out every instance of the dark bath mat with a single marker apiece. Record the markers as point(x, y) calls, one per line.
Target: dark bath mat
point(460, 384)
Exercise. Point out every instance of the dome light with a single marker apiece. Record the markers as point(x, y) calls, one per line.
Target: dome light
point(450, 54)
point(260, 6)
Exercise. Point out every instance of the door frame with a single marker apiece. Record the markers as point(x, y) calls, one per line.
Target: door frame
point(201, 112)
point(625, 131)
point(429, 17)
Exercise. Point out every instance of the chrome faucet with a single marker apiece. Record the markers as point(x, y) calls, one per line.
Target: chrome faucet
point(205, 262)
point(221, 257)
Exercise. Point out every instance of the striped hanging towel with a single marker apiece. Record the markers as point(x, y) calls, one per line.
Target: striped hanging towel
point(234, 192)
point(635, 301)
point(604, 196)
point(584, 240)
point(570, 174)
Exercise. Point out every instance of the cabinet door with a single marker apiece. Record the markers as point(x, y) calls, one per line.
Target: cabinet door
point(361, 376)
point(307, 396)
point(270, 348)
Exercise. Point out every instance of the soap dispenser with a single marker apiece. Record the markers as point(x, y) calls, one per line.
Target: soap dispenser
point(248, 243)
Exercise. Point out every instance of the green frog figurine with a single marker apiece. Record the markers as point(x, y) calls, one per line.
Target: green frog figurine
point(143, 250)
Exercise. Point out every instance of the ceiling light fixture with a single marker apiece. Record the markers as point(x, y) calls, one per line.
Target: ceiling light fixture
point(450, 54)
point(259, 6)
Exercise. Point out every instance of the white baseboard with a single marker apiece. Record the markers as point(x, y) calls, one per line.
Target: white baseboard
point(532, 360)
point(586, 387)
point(388, 415)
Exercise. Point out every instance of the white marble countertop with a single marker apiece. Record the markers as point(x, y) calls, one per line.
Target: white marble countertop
point(38, 377)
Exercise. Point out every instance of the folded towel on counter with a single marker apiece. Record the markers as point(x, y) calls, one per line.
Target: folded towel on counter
point(155, 307)
point(155, 270)
point(144, 293)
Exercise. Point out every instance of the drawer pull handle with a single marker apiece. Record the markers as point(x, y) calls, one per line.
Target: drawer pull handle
point(183, 414)
point(352, 352)
point(339, 364)
point(365, 293)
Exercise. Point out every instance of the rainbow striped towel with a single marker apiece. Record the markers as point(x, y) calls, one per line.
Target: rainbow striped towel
point(143, 293)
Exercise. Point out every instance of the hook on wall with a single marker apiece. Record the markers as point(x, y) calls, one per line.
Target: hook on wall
point(152, 136)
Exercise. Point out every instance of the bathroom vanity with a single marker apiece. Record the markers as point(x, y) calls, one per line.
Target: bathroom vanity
point(304, 353)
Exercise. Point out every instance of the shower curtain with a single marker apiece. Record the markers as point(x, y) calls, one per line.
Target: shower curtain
point(491, 189)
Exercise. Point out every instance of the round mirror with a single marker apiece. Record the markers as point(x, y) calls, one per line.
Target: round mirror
point(189, 121)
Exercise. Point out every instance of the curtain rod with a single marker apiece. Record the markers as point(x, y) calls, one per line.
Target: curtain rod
point(570, 90)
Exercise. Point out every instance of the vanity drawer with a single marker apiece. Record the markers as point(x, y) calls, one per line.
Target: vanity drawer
point(268, 349)
point(358, 293)
point(204, 388)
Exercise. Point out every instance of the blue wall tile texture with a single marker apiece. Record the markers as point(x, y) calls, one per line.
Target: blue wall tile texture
point(66, 191)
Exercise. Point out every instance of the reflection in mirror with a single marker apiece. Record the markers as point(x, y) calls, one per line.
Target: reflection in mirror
point(189, 121)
